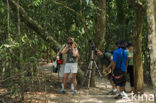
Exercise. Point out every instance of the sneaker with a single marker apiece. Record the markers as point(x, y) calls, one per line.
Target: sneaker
point(74, 92)
point(63, 92)
point(127, 91)
point(111, 93)
point(118, 97)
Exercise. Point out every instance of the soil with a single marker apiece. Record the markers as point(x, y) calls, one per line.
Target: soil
point(47, 88)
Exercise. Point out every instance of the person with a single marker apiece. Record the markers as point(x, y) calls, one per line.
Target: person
point(62, 66)
point(107, 61)
point(130, 69)
point(120, 63)
point(71, 65)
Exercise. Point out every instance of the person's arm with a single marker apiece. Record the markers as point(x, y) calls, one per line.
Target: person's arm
point(127, 64)
point(114, 61)
point(75, 52)
point(109, 66)
point(126, 60)
point(113, 66)
point(58, 53)
point(130, 57)
point(65, 50)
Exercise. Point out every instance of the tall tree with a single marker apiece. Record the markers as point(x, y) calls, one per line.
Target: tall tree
point(137, 40)
point(101, 23)
point(20, 53)
point(120, 11)
point(100, 31)
point(8, 18)
point(152, 39)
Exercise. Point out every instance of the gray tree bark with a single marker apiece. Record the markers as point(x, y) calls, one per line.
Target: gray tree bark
point(151, 17)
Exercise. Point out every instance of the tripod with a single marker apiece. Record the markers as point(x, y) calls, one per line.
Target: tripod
point(90, 67)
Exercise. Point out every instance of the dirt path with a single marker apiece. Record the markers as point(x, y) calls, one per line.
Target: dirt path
point(94, 95)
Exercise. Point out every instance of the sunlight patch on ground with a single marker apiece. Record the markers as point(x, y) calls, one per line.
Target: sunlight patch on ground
point(91, 100)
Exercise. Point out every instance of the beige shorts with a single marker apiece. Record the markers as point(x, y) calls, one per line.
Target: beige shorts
point(71, 68)
point(61, 72)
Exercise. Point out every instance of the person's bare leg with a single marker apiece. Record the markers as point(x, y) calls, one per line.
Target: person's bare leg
point(132, 89)
point(65, 79)
point(62, 83)
point(72, 84)
point(113, 84)
point(74, 80)
point(122, 88)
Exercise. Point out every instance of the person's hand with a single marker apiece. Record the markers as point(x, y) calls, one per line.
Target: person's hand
point(57, 58)
point(67, 46)
point(107, 69)
point(72, 46)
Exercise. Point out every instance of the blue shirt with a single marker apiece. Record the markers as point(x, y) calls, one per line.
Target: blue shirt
point(120, 56)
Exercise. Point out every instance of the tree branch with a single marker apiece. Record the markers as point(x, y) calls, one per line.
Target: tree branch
point(70, 9)
point(33, 24)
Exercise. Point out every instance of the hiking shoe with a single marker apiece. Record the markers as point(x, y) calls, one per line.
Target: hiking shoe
point(74, 92)
point(63, 92)
point(111, 93)
point(118, 97)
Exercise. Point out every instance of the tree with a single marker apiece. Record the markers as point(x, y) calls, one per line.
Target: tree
point(137, 41)
point(100, 32)
point(101, 24)
point(151, 17)
point(8, 19)
point(120, 11)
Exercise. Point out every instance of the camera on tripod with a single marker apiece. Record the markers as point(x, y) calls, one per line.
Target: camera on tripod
point(93, 46)
point(91, 63)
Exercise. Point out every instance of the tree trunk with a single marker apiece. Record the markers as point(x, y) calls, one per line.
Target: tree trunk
point(21, 62)
point(100, 32)
point(101, 24)
point(137, 35)
point(155, 11)
point(146, 55)
point(120, 11)
point(152, 39)
point(8, 19)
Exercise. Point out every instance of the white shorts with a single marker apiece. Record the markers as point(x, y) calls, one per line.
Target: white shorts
point(61, 72)
point(71, 68)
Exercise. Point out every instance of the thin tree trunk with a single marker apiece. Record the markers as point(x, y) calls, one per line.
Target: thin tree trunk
point(20, 54)
point(8, 35)
point(152, 40)
point(47, 53)
point(8, 19)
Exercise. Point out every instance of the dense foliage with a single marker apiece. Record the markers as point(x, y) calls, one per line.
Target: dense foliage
point(61, 18)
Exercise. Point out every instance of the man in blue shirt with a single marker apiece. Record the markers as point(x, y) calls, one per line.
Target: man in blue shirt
point(120, 62)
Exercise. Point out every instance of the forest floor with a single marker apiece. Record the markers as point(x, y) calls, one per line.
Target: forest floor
point(47, 90)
